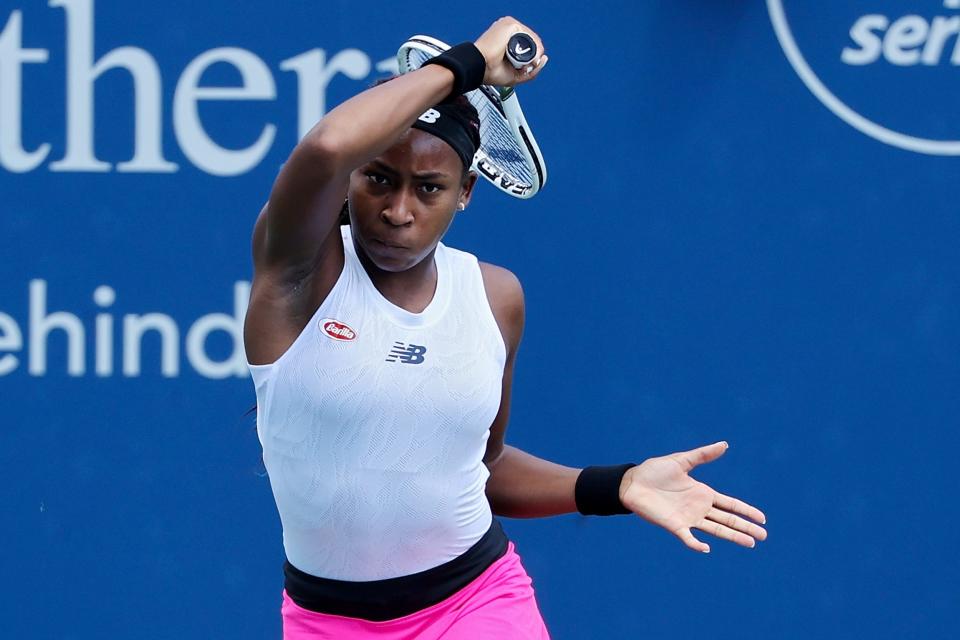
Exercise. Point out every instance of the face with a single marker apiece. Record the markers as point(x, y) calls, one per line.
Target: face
point(403, 201)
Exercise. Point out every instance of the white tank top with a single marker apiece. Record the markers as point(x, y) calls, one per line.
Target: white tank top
point(375, 421)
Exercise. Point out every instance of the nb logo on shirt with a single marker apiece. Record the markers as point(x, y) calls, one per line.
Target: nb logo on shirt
point(406, 353)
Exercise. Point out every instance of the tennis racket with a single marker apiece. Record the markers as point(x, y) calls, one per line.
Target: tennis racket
point(508, 156)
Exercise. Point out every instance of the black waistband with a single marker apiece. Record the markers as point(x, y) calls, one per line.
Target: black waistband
point(395, 597)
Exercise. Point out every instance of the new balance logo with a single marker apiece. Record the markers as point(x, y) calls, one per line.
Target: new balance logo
point(429, 116)
point(406, 353)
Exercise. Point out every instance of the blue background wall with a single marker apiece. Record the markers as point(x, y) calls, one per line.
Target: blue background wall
point(717, 255)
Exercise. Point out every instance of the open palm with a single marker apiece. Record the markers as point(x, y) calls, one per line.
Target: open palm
point(661, 491)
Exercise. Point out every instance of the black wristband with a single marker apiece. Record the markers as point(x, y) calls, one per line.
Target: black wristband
point(467, 64)
point(597, 492)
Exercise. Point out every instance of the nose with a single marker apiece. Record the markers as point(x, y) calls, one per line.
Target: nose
point(399, 210)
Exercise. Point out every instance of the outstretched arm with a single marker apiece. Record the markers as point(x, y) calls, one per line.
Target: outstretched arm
point(659, 490)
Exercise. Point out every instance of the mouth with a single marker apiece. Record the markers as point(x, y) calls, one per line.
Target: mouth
point(388, 245)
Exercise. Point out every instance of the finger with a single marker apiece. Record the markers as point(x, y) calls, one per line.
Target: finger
point(690, 459)
point(734, 522)
point(541, 49)
point(739, 506)
point(537, 68)
point(725, 533)
point(688, 539)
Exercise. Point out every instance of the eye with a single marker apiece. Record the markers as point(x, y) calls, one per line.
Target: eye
point(377, 178)
point(429, 187)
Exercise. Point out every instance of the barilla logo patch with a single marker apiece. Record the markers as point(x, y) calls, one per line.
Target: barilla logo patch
point(337, 330)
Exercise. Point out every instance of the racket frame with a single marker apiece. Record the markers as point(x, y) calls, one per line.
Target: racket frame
point(504, 100)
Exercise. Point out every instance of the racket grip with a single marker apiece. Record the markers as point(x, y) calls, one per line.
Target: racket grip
point(521, 50)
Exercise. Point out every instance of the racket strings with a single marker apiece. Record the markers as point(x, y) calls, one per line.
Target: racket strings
point(499, 143)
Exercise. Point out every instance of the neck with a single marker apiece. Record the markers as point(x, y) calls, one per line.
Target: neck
point(412, 289)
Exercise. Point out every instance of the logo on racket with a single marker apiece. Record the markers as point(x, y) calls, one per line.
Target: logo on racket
point(337, 330)
point(501, 179)
point(868, 57)
point(521, 49)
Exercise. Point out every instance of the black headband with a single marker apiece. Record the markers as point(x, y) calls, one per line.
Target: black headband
point(445, 122)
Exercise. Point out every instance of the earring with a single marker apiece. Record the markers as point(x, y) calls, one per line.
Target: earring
point(461, 206)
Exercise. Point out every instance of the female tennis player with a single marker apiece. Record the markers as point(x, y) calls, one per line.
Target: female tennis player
point(383, 361)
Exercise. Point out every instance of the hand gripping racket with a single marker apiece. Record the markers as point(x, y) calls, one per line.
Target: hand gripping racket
point(508, 156)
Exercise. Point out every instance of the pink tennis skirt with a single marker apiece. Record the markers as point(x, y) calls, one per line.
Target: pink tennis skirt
point(499, 604)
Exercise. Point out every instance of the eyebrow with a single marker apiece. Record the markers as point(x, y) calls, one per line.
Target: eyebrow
point(427, 175)
point(430, 175)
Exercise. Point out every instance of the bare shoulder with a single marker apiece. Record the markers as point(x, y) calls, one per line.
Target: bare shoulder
point(502, 285)
point(505, 295)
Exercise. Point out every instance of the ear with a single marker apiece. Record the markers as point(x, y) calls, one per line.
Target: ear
point(466, 189)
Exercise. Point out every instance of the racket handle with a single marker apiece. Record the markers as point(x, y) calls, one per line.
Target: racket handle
point(521, 50)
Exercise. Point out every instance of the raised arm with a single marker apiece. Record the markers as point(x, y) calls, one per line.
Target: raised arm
point(297, 256)
point(310, 190)
point(297, 253)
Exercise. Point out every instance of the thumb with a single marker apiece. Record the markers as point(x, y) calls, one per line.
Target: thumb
point(690, 459)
